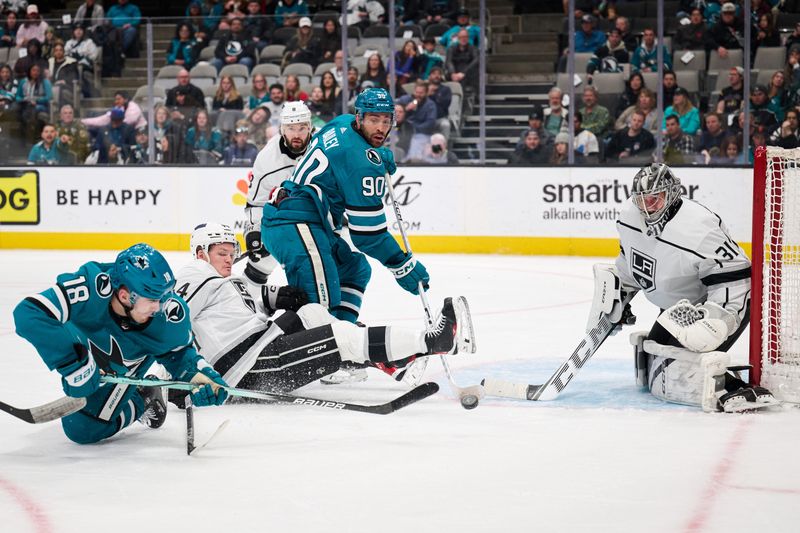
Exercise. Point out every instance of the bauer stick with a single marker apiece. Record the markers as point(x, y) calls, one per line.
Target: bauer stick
point(469, 396)
point(412, 396)
point(550, 389)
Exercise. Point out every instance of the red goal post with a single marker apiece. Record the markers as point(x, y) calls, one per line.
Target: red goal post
point(775, 305)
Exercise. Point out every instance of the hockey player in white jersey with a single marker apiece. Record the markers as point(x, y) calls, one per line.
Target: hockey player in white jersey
point(679, 254)
point(274, 164)
point(240, 334)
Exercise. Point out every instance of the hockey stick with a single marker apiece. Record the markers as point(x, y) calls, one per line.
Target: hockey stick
point(47, 412)
point(468, 396)
point(244, 255)
point(550, 389)
point(414, 395)
point(190, 447)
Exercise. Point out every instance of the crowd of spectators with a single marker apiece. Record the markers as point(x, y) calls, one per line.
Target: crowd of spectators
point(703, 125)
point(52, 69)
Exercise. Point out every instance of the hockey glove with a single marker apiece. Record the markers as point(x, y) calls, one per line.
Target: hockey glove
point(210, 391)
point(388, 160)
point(252, 241)
point(409, 273)
point(81, 377)
point(286, 297)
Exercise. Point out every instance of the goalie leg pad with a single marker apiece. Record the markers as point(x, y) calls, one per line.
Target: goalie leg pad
point(682, 376)
point(607, 298)
point(292, 361)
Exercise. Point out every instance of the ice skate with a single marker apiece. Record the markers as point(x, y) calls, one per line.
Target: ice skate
point(155, 405)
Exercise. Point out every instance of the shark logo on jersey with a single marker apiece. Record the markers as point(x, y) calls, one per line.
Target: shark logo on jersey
point(103, 358)
point(643, 269)
point(141, 262)
point(373, 156)
point(102, 284)
point(174, 311)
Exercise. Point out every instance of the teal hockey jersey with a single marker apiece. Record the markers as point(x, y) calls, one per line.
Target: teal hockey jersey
point(341, 174)
point(77, 310)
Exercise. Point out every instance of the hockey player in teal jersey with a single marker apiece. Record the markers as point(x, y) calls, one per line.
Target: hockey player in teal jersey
point(116, 318)
point(343, 173)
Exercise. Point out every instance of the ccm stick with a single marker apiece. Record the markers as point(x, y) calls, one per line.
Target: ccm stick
point(550, 389)
point(414, 395)
point(468, 396)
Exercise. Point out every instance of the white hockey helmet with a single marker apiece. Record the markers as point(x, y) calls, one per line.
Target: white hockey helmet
point(208, 233)
point(655, 189)
point(295, 113)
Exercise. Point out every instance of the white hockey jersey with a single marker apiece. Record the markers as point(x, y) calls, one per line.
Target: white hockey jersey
point(274, 164)
point(694, 257)
point(226, 319)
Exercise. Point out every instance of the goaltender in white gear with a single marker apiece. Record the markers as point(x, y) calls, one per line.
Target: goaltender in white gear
point(253, 346)
point(680, 255)
point(274, 164)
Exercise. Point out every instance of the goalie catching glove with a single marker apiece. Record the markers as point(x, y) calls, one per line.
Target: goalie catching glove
point(608, 299)
point(699, 328)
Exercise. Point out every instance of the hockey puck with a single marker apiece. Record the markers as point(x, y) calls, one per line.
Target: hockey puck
point(469, 401)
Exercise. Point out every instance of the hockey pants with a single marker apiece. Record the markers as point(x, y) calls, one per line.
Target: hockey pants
point(330, 272)
point(109, 410)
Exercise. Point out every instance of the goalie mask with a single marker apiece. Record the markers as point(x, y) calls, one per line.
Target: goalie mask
point(296, 126)
point(208, 234)
point(655, 190)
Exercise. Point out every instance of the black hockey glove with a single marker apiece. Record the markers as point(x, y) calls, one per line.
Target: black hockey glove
point(252, 240)
point(627, 319)
point(286, 297)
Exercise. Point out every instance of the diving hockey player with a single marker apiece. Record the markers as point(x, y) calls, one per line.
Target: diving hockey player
point(343, 172)
point(680, 255)
point(117, 318)
point(253, 348)
point(274, 164)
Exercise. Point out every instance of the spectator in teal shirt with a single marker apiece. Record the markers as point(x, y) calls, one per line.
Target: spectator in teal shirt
point(450, 37)
point(288, 12)
point(126, 18)
point(202, 136)
point(645, 57)
point(50, 150)
point(687, 113)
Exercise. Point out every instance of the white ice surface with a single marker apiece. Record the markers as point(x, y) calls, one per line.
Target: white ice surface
point(602, 457)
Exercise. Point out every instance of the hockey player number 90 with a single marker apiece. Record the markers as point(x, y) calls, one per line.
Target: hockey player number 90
point(373, 186)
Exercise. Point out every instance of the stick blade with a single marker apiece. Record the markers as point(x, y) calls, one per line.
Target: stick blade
point(414, 395)
point(47, 412)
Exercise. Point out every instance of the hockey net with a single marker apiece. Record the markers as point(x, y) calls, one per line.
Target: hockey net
point(775, 308)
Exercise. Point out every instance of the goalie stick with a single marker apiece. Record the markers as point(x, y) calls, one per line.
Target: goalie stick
point(550, 389)
point(47, 412)
point(414, 395)
point(468, 396)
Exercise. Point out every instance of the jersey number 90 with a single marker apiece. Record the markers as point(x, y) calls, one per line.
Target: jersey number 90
point(373, 186)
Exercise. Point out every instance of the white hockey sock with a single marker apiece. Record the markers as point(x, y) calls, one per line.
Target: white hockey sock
point(377, 344)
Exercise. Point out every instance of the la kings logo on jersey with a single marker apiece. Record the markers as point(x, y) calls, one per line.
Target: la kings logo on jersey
point(373, 156)
point(174, 311)
point(102, 284)
point(643, 269)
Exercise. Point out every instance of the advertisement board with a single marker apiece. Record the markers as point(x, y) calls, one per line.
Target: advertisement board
point(561, 211)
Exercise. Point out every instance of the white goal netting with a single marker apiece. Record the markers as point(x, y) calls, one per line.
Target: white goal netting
point(780, 306)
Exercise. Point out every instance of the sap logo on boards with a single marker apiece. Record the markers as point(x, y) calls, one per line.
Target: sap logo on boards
point(19, 197)
point(107, 197)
